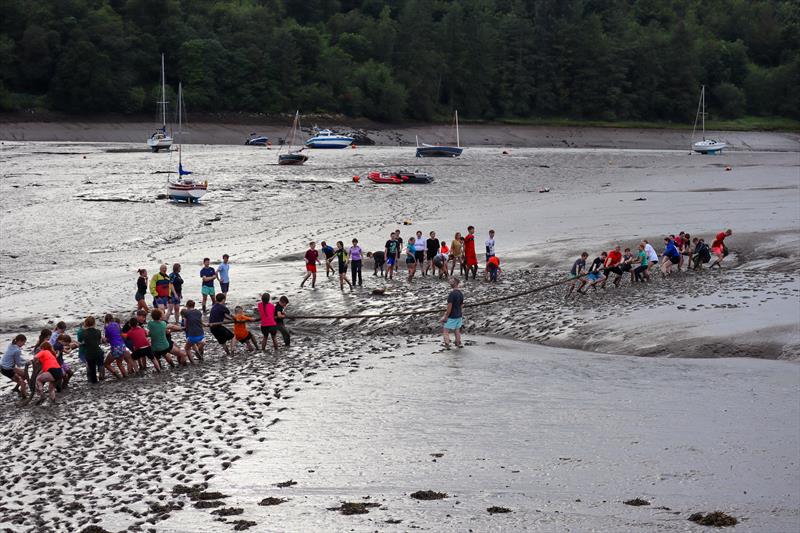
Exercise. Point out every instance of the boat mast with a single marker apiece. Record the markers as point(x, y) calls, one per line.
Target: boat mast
point(180, 124)
point(703, 99)
point(458, 139)
point(163, 96)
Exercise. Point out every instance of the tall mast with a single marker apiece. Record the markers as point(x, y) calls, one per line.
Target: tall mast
point(180, 120)
point(703, 98)
point(163, 96)
point(458, 139)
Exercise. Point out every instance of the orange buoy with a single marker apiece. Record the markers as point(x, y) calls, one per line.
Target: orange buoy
point(353, 146)
point(356, 179)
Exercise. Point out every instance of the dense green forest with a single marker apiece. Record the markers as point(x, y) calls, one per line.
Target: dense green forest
point(406, 59)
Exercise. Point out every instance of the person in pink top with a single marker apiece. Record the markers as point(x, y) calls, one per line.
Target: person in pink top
point(269, 327)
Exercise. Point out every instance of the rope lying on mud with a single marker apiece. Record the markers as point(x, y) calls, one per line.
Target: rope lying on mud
point(439, 309)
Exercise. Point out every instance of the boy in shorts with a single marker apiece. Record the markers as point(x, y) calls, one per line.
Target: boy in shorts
point(216, 318)
point(193, 327)
point(240, 331)
point(390, 251)
point(208, 275)
point(312, 260)
point(453, 317)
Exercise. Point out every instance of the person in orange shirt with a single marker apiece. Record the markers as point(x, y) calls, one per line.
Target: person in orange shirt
point(50, 372)
point(492, 268)
point(240, 330)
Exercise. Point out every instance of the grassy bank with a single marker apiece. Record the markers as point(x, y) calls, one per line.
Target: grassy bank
point(748, 123)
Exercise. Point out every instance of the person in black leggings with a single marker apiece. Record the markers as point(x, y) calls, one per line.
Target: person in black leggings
point(355, 262)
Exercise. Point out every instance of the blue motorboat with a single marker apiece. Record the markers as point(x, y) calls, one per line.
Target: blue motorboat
point(328, 139)
point(256, 140)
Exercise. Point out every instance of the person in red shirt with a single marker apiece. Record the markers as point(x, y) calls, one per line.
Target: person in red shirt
point(470, 256)
point(312, 260)
point(612, 266)
point(719, 249)
point(50, 372)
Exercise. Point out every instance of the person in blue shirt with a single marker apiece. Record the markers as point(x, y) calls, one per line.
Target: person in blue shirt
point(223, 274)
point(208, 275)
point(671, 256)
point(329, 252)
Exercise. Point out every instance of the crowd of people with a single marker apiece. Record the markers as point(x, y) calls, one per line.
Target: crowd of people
point(123, 347)
point(680, 252)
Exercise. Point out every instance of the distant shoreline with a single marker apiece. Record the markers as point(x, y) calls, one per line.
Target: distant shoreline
point(234, 129)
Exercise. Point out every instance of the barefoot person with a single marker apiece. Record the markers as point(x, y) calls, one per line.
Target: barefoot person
point(411, 258)
point(327, 251)
point(12, 365)
point(157, 328)
point(578, 269)
point(312, 260)
point(432, 246)
point(91, 339)
point(612, 266)
point(470, 257)
point(490, 245)
point(269, 327)
point(240, 331)
point(595, 274)
point(378, 260)
point(390, 252)
point(174, 307)
point(456, 252)
point(195, 335)
point(718, 248)
point(453, 317)
point(640, 272)
point(118, 351)
point(50, 372)
point(355, 254)
point(341, 262)
point(280, 315)
point(141, 290)
point(224, 274)
point(419, 251)
point(670, 257)
point(216, 319)
point(161, 289)
point(208, 275)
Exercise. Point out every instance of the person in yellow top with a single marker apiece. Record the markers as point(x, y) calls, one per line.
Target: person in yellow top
point(161, 289)
point(240, 331)
point(456, 252)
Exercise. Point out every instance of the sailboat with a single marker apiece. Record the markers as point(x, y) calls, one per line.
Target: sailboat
point(160, 138)
point(292, 157)
point(184, 189)
point(427, 150)
point(706, 146)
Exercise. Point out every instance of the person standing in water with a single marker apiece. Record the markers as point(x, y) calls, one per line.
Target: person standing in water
point(411, 258)
point(141, 290)
point(470, 257)
point(224, 274)
point(312, 260)
point(208, 275)
point(453, 317)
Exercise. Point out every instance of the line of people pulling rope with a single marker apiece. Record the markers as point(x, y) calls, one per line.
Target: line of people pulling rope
point(132, 343)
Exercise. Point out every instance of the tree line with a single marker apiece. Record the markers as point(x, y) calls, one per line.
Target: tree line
point(393, 60)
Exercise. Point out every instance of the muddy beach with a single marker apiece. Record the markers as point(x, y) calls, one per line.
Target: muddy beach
point(362, 411)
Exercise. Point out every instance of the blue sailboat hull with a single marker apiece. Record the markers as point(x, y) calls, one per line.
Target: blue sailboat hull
point(439, 151)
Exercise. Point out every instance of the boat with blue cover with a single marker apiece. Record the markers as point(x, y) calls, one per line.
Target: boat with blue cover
point(329, 139)
point(256, 140)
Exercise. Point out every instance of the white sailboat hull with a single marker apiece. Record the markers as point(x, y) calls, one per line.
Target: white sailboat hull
point(186, 192)
point(160, 143)
point(708, 147)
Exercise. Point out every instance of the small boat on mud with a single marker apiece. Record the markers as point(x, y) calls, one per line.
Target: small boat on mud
point(706, 146)
point(256, 140)
point(160, 139)
point(399, 178)
point(328, 139)
point(292, 157)
point(427, 150)
point(184, 189)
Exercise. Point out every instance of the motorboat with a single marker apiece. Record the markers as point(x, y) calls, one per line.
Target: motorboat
point(399, 178)
point(256, 140)
point(329, 139)
point(160, 139)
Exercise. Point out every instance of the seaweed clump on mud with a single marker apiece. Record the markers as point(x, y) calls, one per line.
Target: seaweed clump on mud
point(716, 519)
point(241, 525)
point(428, 495)
point(495, 509)
point(284, 484)
point(228, 511)
point(272, 501)
point(94, 529)
point(348, 508)
point(636, 502)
